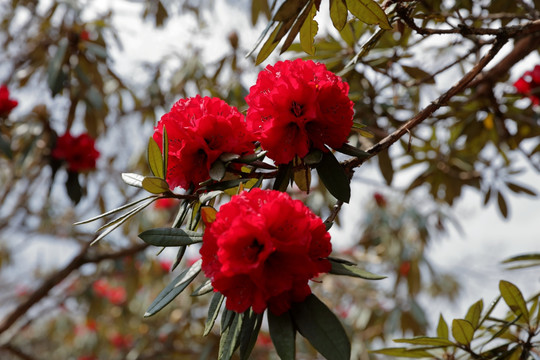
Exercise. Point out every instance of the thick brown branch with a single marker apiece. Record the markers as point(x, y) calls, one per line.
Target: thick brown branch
point(82, 258)
point(431, 108)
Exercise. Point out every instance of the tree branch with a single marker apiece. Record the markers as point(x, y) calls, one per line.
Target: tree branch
point(82, 258)
point(431, 108)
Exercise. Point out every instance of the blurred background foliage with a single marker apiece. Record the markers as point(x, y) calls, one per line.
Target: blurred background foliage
point(63, 61)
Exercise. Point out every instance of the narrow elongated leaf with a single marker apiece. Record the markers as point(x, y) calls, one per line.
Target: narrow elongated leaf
point(204, 288)
point(385, 165)
point(442, 328)
point(116, 223)
point(289, 9)
point(463, 331)
point(426, 341)
point(155, 185)
point(474, 313)
point(283, 177)
point(333, 176)
point(179, 255)
point(154, 158)
point(55, 74)
point(229, 339)
point(282, 334)
point(308, 31)
point(525, 257)
point(170, 237)
point(133, 179)
point(403, 352)
point(338, 14)
point(171, 291)
point(369, 12)
point(490, 310)
point(226, 319)
point(269, 45)
point(514, 299)
point(118, 209)
point(321, 328)
point(249, 332)
point(518, 189)
point(503, 206)
point(295, 28)
point(206, 197)
point(352, 270)
point(224, 185)
point(213, 311)
point(353, 151)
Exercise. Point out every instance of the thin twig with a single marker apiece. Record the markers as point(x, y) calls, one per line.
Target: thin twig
point(431, 108)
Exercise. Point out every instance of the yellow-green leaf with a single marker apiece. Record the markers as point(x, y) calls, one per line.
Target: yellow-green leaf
point(154, 158)
point(308, 31)
point(369, 11)
point(338, 13)
point(442, 328)
point(473, 315)
point(155, 185)
point(268, 46)
point(514, 299)
point(463, 331)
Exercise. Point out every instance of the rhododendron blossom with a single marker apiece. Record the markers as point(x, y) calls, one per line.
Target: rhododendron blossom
point(200, 130)
point(529, 85)
point(262, 250)
point(6, 104)
point(79, 152)
point(297, 106)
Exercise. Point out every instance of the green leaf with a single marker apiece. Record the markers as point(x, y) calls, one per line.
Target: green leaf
point(55, 74)
point(206, 197)
point(463, 331)
point(338, 13)
point(268, 46)
point(503, 207)
point(283, 177)
point(418, 74)
point(217, 170)
point(492, 306)
point(282, 333)
point(170, 237)
point(403, 352)
point(339, 268)
point(229, 339)
point(525, 257)
point(154, 158)
point(518, 189)
point(155, 185)
point(514, 299)
point(442, 328)
point(426, 341)
point(321, 328)
point(226, 319)
point(172, 290)
point(308, 31)
point(289, 9)
point(118, 209)
point(333, 176)
point(385, 165)
point(369, 12)
point(122, 219)
point(224, 185)
point(249, 333)
point(133, 179)
point(474, 312)
point(204, 288)
point(213, 311)
point(353, 151)
point(314, 157)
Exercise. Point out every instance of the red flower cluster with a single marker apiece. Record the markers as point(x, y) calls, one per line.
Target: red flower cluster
point(297, 106)
point(115, 294)
point(6, 104)
point(529, 85)
point(200, 130)
point(262, 250)
point(79, 152)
